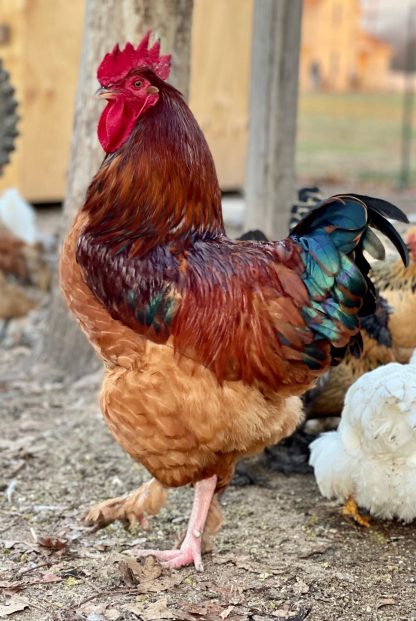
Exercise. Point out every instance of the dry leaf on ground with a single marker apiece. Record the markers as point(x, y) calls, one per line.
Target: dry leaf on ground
point(147, 575)
point(52, 543)
point(300, 587)
point(112, 614)
point(153, 612)
point(135, 572)
point(10, 586)
point(15, 604)
point(320, 548)
point(292, 615)
point(386, 601)
point(226, 613)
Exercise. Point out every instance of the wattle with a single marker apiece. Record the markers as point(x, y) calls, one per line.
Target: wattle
point(116, 123)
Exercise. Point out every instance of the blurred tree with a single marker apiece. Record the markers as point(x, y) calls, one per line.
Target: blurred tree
point(64, 347)
point(270, 185)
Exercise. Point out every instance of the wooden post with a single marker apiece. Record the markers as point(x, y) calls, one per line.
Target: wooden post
point(270, 187)
point(64, 347)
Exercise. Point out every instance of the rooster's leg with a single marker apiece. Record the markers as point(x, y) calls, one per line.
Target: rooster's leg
point(148, 499)
point(190, 550)
point(350, 509)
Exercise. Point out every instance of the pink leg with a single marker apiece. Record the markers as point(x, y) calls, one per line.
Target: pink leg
point(190, 550)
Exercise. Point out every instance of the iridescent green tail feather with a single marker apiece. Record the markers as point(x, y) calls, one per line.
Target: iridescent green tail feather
point(333, 237)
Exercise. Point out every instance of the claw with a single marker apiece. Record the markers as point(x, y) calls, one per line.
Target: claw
point(130, 509)
point(350, 509)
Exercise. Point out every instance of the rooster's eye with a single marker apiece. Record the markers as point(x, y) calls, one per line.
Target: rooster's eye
point(138, 83)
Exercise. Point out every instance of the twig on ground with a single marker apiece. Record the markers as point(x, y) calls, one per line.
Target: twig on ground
point(126, 591)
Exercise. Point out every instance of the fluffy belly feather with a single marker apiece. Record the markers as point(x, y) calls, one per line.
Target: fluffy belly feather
point(173, 416)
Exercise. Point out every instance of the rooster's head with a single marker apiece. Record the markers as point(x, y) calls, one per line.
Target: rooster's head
point(126, 80)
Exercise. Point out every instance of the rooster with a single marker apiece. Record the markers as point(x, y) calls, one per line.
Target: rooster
point(207, 342)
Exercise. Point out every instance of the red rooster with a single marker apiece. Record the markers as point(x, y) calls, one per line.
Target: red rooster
point(206, 341)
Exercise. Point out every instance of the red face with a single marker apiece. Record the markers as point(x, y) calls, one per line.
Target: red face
point(411, 242)
point(127, 100)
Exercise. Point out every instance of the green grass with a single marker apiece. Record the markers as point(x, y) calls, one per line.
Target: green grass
point(353, 137)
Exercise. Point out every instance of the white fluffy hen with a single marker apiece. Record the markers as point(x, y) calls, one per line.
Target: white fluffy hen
point(370, 461)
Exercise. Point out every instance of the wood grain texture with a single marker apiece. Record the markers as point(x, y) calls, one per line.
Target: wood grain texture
point(42, 56)
point(64, 346)
point(273, 106)
point(220, 84)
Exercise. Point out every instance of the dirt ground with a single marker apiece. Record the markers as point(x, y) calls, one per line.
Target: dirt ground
point(284, 552)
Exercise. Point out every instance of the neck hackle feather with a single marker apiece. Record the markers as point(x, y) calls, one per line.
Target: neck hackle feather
point(160, 186)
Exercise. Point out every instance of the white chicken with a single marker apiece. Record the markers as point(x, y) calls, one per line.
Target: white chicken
point(370, 461)
point(18, 216)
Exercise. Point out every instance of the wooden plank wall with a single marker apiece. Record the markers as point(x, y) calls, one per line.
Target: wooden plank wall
point(220, 73)
point(43, 57)
point(53, 40)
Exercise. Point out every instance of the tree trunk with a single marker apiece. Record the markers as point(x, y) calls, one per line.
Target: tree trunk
point(64, 347)
point(270, 184)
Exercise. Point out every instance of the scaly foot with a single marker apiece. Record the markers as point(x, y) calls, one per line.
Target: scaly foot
point(350, 509)
point(147, 499)
point(188, 553)
point(190, 550)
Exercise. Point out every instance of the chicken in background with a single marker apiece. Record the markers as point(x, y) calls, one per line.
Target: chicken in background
point(18, 216)
point(25, 262)
point(24, 273)
point(397, 285)
point(207, 342)
point(326, 399)
point(308, 199)
point(24, 279)
point(14, 303)
point(370, 461)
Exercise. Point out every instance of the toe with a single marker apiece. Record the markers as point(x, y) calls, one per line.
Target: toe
point(198, 563)
point(182, 559)
point(160, 555)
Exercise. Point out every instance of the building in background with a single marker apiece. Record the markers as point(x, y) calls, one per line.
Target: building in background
point(42, 52)
point(40, 45)
point(337, 54)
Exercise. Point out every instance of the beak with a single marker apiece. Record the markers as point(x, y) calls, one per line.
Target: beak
point(105, 93)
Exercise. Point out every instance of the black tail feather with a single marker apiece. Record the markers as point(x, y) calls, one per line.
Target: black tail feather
point(378, 210)
point(380, 206)
point(380, 223)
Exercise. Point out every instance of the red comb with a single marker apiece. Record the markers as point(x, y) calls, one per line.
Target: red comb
point(116, 64)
